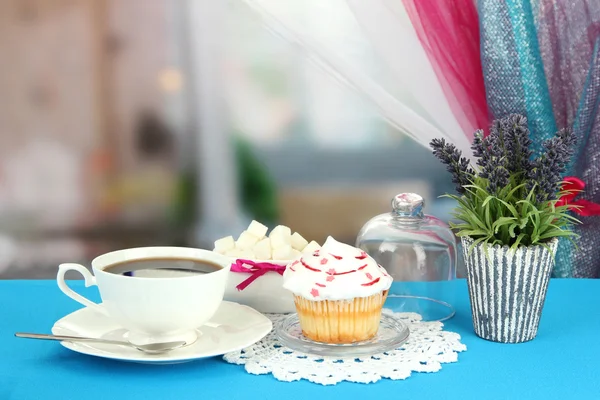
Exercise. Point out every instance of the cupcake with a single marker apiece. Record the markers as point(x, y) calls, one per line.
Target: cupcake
point(339, 292)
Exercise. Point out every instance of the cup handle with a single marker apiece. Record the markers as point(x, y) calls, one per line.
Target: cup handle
point(90, 280)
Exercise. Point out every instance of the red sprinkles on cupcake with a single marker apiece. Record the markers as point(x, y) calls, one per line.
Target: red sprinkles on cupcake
point(309, 267)
point(324, 262)
point(345, 272)
point(371, 283)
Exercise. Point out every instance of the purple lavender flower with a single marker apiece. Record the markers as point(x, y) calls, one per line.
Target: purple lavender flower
point(518, 142)
point(479, 145)
point(498, 179)
point(457, 165)
point(504, 152)
point(504, 156)
point(547, 169)
point(481, 150)
point(493, 156)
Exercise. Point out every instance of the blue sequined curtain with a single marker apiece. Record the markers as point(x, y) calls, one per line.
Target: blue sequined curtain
point(540, 59)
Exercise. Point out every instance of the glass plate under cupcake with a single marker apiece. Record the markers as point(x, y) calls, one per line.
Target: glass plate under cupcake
point(392, 334)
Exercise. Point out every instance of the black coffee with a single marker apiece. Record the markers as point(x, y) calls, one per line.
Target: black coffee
point(152, 267)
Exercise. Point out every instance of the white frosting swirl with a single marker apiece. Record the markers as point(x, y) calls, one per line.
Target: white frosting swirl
point(335, 272)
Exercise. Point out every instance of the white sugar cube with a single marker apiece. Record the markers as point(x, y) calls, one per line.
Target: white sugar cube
point(257, 229)
point(312, 246)
point(246, 241)
point(262, 249)
point(247, 255)
point(283, 253)
point(240, 254)
point(233, 253)
point(225, 244)
point(281, 236)
point(296, 253)
point(298, 242)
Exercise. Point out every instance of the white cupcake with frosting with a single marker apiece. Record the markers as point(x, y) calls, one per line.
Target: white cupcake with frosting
point(339, 292)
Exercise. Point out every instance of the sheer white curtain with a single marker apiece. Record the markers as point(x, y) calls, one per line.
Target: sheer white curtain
point(412, 99)
point(217, 181)
point(403, 87)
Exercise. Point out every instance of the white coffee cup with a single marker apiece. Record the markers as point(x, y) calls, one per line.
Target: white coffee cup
point(154, 309)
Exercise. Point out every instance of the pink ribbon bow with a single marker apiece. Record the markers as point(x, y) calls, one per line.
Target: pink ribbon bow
point(255, 269)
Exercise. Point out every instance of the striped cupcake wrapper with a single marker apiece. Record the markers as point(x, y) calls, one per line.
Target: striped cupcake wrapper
point(507, 289)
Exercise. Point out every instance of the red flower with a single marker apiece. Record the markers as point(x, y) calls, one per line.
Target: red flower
point(582, 207)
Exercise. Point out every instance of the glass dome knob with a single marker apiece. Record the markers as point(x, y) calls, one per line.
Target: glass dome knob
point(408, 205)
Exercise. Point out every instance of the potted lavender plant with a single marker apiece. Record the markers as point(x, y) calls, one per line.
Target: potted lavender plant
point(509, 224)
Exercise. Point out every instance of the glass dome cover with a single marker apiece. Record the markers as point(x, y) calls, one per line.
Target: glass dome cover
point(419, 252)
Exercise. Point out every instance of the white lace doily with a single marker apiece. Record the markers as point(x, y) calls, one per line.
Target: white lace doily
point(426, 349)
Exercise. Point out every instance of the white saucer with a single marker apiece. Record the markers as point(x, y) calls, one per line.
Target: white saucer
point(233, 328)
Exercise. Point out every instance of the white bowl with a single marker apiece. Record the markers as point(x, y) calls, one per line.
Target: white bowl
point(266, 294)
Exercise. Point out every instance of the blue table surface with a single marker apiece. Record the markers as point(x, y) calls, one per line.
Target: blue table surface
point(561, 363)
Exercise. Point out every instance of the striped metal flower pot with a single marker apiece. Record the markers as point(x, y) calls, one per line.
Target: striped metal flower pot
point(507, 289)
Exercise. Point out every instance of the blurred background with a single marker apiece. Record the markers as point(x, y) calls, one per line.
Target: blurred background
point(135, 123)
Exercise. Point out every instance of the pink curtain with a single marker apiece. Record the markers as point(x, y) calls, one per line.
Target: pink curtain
point(449, 33)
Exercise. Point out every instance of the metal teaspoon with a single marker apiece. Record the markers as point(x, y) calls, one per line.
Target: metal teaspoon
point(151, 348)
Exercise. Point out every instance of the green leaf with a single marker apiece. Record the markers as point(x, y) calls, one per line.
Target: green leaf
point(512, 192)
point(511, 230)
point(462, 202)
point(486, 251)
point(487, 200)
point(525, 206)
point(523, 223)
point(570, 218)
point(461, 227)
point(502, 221)
point(531, 193)
point(497, 241)
point(474, 219)
point(534, 216)
point(510, 207)
point(516, 243)
point(547, 221)
point(488, 218)
point(477, 232)
point(479, 193)
point(475, 243)
point(557, 233)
